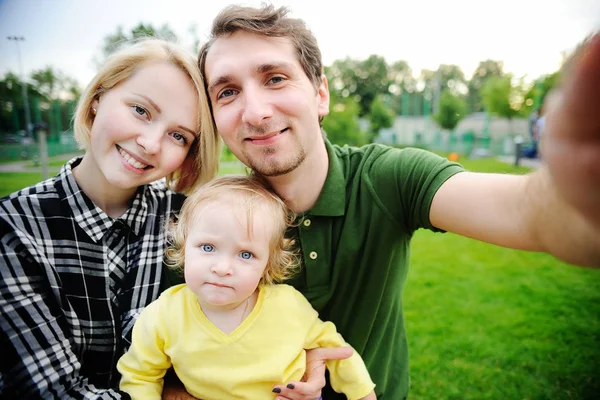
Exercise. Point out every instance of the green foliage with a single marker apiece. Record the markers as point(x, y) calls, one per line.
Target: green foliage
point(535, 95)
point(501, 97)
point(485, 70)
point(341, 125)
point(452, 109)
point(380, 117)
point(360, 81)
point(114, 41)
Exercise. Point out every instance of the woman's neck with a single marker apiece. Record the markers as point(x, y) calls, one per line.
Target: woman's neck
point(112, 200)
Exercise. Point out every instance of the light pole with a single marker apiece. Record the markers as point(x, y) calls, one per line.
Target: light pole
point(18, 39)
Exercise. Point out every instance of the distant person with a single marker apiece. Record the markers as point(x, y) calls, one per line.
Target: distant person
point(230, 332)
point(82, 252)
point(360, 207)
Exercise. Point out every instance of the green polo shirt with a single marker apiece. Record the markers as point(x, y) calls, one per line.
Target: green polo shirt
point(355, 247)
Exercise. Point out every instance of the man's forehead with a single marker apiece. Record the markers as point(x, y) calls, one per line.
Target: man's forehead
point(249, 50)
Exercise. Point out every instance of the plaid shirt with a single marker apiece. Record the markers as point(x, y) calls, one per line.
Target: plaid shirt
point(73, 282)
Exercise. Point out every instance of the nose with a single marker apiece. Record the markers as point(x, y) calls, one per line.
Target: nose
point(150, 140)
point(221, 266)
point(257, 108)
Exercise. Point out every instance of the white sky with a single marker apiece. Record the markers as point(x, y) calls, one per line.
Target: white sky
point(528, 35)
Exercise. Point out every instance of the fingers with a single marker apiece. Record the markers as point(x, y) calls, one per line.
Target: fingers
point(297, 391)
point(329, 353)
point(577, 112)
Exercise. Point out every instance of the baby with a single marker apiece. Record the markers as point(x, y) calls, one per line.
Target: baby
point(231, 332)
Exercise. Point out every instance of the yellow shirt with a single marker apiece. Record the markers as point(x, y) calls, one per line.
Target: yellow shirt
point(266, 349)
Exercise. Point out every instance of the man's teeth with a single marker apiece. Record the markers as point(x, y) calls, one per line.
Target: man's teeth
point(132, 161)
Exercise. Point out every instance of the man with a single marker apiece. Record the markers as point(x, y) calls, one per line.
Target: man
point(358, 208)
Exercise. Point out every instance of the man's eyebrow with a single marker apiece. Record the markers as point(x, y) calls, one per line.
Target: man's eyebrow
point(264, 68)
point(149, 100)
point(219, 81)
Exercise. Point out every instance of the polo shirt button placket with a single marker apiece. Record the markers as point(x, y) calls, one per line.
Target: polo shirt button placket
point(306, 223)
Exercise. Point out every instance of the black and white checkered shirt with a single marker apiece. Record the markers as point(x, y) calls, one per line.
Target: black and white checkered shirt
point(73, 282)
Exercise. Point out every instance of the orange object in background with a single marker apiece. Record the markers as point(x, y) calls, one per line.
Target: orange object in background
point(453, 156)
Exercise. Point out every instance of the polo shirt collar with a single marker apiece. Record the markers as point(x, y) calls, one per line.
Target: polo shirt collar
point(332, 200)
point(93, 220)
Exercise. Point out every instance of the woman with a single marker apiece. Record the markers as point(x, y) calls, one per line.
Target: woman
point(82, 253)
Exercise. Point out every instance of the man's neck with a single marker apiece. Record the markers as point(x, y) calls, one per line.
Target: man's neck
point(301, 188)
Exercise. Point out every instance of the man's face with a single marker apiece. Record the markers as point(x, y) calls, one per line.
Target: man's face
point(265, 107)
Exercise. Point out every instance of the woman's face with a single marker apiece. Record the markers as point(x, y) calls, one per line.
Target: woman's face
point(144, 127)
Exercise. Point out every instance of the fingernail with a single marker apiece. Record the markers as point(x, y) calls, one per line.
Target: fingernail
point(276, 390)
point(290, 386)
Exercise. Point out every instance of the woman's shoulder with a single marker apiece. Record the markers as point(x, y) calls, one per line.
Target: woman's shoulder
point(40, 200)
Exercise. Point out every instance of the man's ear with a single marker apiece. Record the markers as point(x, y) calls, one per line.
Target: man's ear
point(323, 97)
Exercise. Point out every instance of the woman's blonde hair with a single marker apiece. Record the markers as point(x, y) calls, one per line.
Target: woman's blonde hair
point(202, 160)
point(251, 192)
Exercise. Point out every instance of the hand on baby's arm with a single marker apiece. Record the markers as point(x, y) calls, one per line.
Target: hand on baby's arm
point(314, 378)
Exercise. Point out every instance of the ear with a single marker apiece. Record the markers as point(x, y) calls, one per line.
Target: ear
point(323, 97)
point(94, 103)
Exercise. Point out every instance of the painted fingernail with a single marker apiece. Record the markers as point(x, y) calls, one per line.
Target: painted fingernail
point(290, 386)
point(276, 390)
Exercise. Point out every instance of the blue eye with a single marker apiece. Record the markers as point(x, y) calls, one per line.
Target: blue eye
point(140, 110)
point(246, 255)
point(208, 248)
point(179, 137)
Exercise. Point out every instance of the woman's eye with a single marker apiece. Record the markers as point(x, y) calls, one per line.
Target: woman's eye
point(208, 248)
point(140, 110)
point(246, 255)
point(179, 137)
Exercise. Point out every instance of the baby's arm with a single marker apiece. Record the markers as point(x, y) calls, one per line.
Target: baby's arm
point(143, 367)
point(348, 376)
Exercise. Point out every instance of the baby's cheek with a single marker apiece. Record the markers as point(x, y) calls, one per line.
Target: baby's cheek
point(192, 278)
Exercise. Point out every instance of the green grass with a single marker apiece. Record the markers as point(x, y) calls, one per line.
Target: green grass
point(11, 182)
point(486, 322)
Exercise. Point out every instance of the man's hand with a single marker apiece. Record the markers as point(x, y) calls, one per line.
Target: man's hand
point(570, 145)
point(174, 392)
point(314, 377)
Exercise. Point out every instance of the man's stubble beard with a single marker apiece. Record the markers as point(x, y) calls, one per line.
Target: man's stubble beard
point(271, 168)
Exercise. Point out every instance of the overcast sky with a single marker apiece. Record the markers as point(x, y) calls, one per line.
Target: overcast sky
point(528, 35)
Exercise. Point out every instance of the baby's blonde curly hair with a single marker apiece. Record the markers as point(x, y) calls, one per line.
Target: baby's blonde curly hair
point(252, 193)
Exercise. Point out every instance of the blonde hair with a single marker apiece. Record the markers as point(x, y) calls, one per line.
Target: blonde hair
point(283, 258)
point(202, 160)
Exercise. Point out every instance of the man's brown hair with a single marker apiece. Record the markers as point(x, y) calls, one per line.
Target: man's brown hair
point(271, 22)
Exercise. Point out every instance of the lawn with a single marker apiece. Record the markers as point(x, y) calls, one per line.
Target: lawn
point(486, 322)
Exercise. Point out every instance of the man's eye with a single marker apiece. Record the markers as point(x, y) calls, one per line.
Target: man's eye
point(208, 248)
point(276, 79)
point(246, 255)
point(227, 93)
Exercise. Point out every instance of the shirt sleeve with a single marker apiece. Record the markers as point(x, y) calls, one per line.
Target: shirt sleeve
point(349, 376)
point(38, 359)
point(405, 181)
point(145, 364)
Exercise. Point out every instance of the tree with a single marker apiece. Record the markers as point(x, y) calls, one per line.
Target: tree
point(380, 117)
point(503, 98)
point(452, 109)
point(361, 81)
point(341, 125)
point(114, 41)
point(485, 70)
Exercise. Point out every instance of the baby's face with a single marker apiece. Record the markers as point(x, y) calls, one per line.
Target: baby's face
point(226, 253)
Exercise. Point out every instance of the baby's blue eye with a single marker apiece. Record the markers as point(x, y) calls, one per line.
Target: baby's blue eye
point(207, 248)
point(246, 255)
